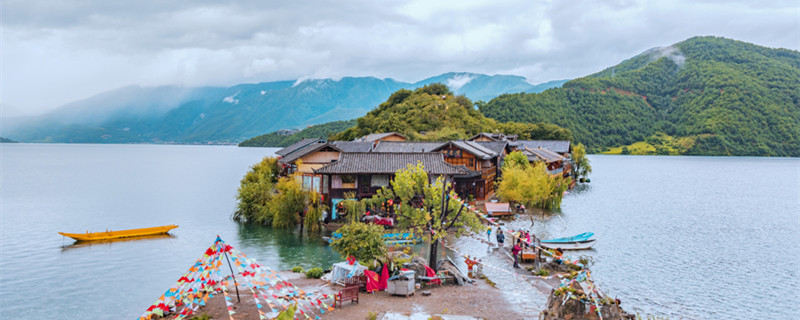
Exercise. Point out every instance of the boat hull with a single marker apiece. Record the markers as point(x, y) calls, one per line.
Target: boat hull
point(110, 235)
point(570, 245)
point(583, 237)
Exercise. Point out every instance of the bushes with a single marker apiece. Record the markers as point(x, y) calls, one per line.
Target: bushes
point(314, 273)
point(298, 269)
point(360, 240)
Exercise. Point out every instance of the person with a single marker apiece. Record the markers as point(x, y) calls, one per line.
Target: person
point(558, 258)
point(515, 252)
point(489, 234)
point(500, 237)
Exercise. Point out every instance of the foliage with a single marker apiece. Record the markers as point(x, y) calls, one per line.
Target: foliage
point(581, 168)
point(202, 316)
point(314, 273)
point(264, 198)
point(542, 273)
point(419, 206)
point(353, 209)
point(371, 315)
point(532, 185)
point(516, 159)
point(717, 96)
point(360, 240)
point(287, 314)
point(275, 139)
point(298, 269)
point(433, 113)
point(255, 191)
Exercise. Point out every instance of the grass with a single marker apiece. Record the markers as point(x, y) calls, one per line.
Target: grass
point(371, 315)
point(202, 316)
point(298, 269)
point(489, 281)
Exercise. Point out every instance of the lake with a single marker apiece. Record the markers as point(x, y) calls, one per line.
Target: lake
point(686, 237)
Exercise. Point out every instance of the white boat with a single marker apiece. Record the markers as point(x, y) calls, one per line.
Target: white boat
point(571, 245)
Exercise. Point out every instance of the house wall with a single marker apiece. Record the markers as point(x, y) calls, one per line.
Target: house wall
point(316, 160)
point(393, 137)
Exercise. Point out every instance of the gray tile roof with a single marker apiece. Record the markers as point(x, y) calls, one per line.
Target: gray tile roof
point(353, 146)
point(472, 147)
point(297, 154)
point(407, 146)
point(377, 136)
point(389, 163)
point(496, 146)
point(297, 145)
point(542, 154)
point(494, 136)
point(560, 146)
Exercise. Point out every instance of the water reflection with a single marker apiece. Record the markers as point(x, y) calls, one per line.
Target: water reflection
point(107, 243)
point(293, 248)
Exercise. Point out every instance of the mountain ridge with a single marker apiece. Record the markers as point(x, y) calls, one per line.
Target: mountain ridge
point(164, 114)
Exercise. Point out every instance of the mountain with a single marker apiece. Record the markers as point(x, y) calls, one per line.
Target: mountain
point(226, 115)
point(434, 113)
point(285, 138)
point(703, 96)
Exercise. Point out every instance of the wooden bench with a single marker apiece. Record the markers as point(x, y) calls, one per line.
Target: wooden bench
point(348, 293)
point(357, 281)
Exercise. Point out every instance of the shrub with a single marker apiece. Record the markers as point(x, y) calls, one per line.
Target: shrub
point(315, 273)
point(298, 269)
point(371, 315)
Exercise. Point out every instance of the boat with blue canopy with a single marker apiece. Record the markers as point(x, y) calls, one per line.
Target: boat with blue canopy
point(583, 237)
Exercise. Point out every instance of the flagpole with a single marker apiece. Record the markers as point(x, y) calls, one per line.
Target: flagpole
point(236, 285)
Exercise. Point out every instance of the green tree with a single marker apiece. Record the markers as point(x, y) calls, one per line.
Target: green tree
point(532, 186)
point(516, 159)
point(425, 206)
point(255, 191)
point(582, 168)
point(360, 240)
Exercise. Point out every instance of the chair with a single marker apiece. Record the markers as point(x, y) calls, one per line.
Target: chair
point(348, 293)
point(359, 281)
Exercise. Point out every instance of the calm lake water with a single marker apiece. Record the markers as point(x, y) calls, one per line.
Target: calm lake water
point(687, 237)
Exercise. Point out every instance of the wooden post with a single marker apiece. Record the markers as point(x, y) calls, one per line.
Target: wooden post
point(235, 285)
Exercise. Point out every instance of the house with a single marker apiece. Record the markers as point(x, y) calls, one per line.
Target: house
point(314, 155)
point(562, 147)
point(556, 163)
point(364, 173)
point(486, 136)
point(388, 136)
point(481, 161)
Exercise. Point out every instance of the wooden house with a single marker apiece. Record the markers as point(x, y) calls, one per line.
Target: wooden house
point(481, 161)
point(364, 173)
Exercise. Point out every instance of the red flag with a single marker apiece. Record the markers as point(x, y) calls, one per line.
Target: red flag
point(373, 281)
point(384, 282)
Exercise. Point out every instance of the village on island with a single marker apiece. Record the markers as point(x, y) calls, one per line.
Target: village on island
point(383, 197)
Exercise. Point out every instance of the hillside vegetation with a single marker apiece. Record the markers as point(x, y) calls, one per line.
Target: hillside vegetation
point(433, 113)
point(276, 139)
point(704, 96)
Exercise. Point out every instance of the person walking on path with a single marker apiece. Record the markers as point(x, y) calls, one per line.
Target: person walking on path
point(500, 237)
point(489, 234)
point(515, 252)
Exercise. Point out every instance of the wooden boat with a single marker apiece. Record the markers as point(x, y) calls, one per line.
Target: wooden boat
point(570, 245)
point(109, 235)
point(583, 237)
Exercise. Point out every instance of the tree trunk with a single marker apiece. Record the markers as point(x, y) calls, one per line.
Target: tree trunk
point(433, 253)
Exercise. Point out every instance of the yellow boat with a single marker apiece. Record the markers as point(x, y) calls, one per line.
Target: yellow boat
point(109, 235)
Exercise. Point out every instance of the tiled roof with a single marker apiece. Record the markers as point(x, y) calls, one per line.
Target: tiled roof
point(496, 146)
point(542, 154)
point(407, 146)
point(297, 145)
point(302, 152)
point(378, 136)
point(472, 147)
point(389, 163)
point(560, 146)
point(353, 146)
point(494, 136)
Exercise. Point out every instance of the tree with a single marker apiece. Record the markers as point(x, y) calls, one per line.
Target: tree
point(255, 191)
point(264, 198)
point(360, 240)
point(582, 168)
point(531, 185)
point(428, 207)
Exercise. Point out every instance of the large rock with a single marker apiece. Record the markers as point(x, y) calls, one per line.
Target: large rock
point(576, 309)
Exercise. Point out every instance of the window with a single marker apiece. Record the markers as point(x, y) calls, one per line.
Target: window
point(315, 184)
point(307, 183)
point(380, 181)
point(349, 182)
point(324, 184)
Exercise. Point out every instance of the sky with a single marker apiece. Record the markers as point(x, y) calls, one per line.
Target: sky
point(56, 52)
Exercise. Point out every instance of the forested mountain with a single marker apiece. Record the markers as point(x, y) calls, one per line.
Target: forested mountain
point(705, 95)
point(212, 114)
point(434, 113)
point(280, 139)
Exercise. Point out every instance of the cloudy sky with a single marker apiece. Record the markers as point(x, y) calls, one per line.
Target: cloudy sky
point(55, 52)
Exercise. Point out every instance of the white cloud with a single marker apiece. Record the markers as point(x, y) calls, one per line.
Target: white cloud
point(75, 49)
